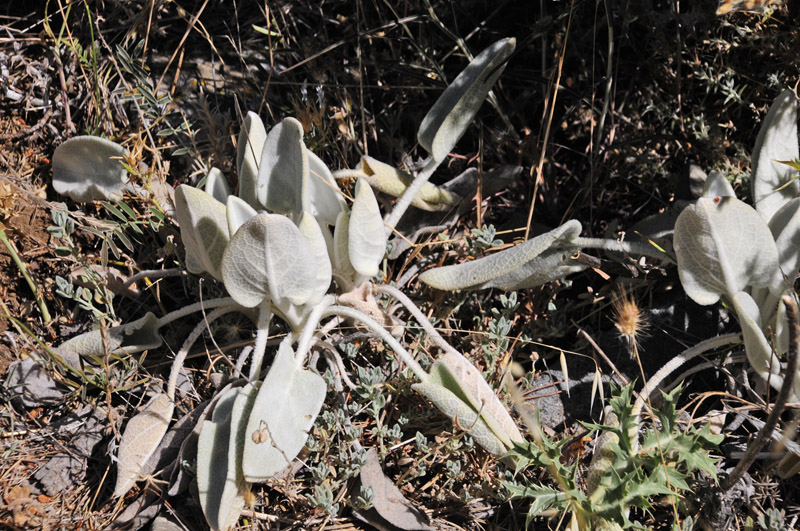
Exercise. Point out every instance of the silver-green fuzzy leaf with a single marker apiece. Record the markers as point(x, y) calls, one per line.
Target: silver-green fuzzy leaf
point(283, 171)
point(528, 264)
point(136, 336)
point(366, 237)
point(284, 411)
point(775, 183)
point(217, 186)
point(204, 229)
point(325, 200)
point(86, 168)
point(455, 109)
point(723, 246)
point(141, 437)
point(248, 155)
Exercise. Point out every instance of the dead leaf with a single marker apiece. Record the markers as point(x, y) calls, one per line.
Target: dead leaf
point(388, 501)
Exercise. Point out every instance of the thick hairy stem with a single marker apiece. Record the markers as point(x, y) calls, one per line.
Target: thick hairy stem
point(190, 340)
point(412, 308)
point(310, 325)
point(621, 246)
point(264, 317)
point(765, 433)
point(373, 325)
point(196, 307)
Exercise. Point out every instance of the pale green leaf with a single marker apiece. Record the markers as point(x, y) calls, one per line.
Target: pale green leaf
point(283, 170)
point(543, 258)
point(87, 168)
point(217, 186)
point(130, 338)
point(204, 229)
point(287, 404)
point(221, 495)
point(718, 186)
point(366, 236)
point(239, 212)
point(455, 109)
point(341, 255)
point(759, 352)
point(269, 257)
point(774, 183)
point(785, 228)
point(723, 246)
point(309, 227)
point(248, 155)
point(141, 437)
point(325, 200)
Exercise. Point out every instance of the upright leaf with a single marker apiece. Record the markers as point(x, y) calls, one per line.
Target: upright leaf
point(86, 168)
point(217, 186)
point(284, 411)
point(269, 257)
point(340, 255)
point(785, 228)
point(248, 154)
point(366, 243)
point(238, 212)
point(283, 171)
point(518, 266)
point(141, 437)
point(723, 246)
point(325, 200)
point(775, 183)
point(309, 227)
point(204, 229)
point(455, 109)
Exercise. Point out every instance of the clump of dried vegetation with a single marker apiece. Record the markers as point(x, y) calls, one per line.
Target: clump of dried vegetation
point(609, 109)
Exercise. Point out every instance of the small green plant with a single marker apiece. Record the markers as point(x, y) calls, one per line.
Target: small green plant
point(628, 473)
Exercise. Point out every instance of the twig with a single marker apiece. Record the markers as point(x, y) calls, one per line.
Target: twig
point(765, 433)
point(24, 270)
point(30, 130)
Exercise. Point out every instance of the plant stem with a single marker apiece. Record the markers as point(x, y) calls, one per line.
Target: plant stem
point(264, 317)
point(190, 340)
point(196, 307)
point(411, 192)
point(153, 273)
point(310, 325)
point(621, 246)
point(765, 433)
point(24, 270)
point(373, 325)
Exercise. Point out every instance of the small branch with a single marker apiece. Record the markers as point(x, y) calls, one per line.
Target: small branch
point(765, 433)
point(24, 270)
point(621, 246)
point(196, 307)
point(153, 273)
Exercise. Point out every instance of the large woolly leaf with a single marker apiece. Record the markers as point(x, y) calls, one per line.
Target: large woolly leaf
point(141, 437)
point(217, 186)
point(86, 168)
point(248, 154)
point(283, 171)
point(455, 109)
point(221, 494)
point(284, 411)
point(341, 255)
point(325, 200)
point(454, 379)
point(269, 257)
point(136, 336)
point(718, 186)
point(723, 246)
point(527, 264)
point(366, 237)
point(785, 228)
point(204, 229)
point(775, 183)
point(392, 181)
point(309, 227)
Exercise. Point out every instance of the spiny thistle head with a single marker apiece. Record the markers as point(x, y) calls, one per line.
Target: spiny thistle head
point(630, 320)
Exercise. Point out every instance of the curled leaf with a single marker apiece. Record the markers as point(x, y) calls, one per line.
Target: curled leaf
point(539, 260)
point(86, 168)
point(325, 200)
point(141, 437)
point(136, 336)
point(390, 180)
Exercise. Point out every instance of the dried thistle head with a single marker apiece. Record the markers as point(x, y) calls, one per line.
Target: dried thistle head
point(630, 320)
